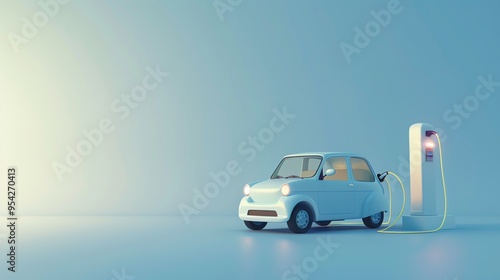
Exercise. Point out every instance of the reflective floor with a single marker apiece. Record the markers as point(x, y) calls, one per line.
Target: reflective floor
point(137, 248)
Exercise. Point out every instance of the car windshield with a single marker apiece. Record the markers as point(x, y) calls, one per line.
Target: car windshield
point(297, 167)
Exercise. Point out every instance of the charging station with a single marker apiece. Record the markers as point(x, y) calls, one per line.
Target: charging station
point(424, 182)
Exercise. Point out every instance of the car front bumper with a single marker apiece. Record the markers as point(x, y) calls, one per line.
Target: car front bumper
point(265, 212)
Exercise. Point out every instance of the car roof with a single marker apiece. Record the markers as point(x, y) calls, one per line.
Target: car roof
point(326, 154)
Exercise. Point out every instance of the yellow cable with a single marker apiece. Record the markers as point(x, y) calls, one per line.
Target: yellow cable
point(404, 200)
point(390, 203)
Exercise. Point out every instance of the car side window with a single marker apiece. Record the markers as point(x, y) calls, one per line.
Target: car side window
point(340, 166)
point(361, 171)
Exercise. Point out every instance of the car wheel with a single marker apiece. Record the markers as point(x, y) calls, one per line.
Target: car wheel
point(323, 223)
point(301, 219)
point(255, 225)
point(374, 221)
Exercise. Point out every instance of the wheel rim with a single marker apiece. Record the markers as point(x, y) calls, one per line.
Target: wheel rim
point(376, 218)
point(302, 219)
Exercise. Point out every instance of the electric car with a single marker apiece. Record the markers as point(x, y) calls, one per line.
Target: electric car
point(315, 187)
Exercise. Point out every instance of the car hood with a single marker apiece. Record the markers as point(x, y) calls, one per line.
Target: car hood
point(272, 183)
point(268, 191)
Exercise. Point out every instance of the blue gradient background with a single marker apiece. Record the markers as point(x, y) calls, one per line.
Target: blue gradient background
point(225, 79)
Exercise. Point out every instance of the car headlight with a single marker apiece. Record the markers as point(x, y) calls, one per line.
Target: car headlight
point(246, 190)
point(285, 189)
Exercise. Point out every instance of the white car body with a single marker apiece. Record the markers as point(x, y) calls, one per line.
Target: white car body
point(353, 193)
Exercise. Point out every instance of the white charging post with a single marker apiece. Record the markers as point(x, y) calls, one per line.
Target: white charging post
point(425, 181)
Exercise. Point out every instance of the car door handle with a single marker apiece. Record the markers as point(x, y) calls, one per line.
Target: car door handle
point(351, 185)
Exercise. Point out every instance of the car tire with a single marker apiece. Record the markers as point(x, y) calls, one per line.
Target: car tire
point(323, 223)
point(374, 221)
point(255, 225)
point(301, 219)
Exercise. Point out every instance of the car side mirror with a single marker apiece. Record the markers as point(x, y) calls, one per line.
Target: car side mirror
point(329, 172)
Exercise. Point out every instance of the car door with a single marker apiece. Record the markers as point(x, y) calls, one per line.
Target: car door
point(363, 181)
point(336, 192)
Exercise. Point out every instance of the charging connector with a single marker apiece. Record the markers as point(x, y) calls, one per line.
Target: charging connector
point(381, 176)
